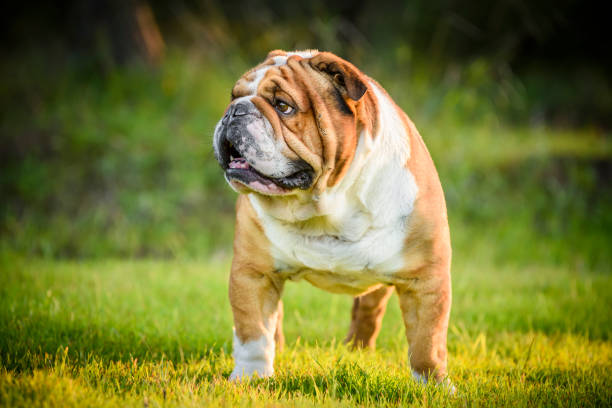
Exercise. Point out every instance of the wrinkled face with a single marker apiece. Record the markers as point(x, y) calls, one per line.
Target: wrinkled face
point(292, 124)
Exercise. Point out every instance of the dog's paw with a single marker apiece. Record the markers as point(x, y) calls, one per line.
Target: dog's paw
point(255, 357)
point(246, 372)
point(445, 384)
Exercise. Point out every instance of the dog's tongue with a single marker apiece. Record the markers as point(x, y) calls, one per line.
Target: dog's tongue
point(266, 188)
point(239, 163)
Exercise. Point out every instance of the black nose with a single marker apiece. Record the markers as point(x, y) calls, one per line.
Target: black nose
point(239, 109)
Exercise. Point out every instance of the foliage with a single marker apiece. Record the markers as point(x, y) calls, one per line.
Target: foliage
point(121, 163)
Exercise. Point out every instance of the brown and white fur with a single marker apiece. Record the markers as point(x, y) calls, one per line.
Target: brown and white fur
point(340, 190)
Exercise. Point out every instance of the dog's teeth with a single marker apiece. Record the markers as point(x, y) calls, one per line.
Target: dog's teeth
point(231, 157)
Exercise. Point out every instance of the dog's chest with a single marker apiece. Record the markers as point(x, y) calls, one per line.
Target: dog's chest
point(353, 237)
point(352, 256)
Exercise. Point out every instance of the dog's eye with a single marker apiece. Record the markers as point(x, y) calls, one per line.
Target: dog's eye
point(339, 79)
point(282, 107)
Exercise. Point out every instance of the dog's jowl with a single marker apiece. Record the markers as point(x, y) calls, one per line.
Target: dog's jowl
point(337, 188)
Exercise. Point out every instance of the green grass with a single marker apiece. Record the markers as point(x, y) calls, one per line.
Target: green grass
point(128, 333)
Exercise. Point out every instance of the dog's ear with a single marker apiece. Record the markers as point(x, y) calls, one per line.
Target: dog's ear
point(275, 53)
point(342, 73)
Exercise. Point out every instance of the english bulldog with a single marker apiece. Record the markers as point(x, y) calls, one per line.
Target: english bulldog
point(337, 188)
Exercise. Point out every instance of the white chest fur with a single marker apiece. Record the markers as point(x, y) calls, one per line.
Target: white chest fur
point(352, 237)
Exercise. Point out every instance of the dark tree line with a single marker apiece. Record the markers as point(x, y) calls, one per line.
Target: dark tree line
point(518, 31)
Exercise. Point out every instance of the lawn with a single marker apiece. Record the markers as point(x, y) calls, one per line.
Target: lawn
point(158, 333)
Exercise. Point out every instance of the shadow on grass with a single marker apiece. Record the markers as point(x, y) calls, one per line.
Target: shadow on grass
point(38, 342)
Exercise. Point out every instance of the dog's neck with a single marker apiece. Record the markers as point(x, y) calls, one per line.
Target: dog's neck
point(377, 191)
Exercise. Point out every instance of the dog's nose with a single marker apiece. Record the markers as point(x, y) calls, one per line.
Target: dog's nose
point(240, 109)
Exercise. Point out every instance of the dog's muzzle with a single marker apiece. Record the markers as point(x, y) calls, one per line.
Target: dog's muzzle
point(248, 152)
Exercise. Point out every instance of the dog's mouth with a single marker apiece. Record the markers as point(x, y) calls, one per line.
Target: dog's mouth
point(240, 174)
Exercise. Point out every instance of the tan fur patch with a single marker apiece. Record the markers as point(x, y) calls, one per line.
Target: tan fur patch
point(254, 290)
point(366, 317)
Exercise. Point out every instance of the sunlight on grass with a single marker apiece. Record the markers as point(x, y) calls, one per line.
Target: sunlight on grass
point(104, 333)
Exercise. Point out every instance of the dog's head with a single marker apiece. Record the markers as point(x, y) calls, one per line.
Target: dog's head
point(293, 123)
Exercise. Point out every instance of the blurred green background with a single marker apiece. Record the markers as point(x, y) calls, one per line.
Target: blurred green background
point(108, 110)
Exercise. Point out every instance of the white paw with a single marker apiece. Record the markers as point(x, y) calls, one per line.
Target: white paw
point(252, 358)
point(244, 373)
point(446, 383)
point(421, 379)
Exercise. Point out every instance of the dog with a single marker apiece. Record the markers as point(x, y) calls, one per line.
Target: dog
point(338, 188)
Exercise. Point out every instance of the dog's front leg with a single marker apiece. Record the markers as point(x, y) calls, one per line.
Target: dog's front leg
point(255, 293)
point(425, 305)
point(255, 300)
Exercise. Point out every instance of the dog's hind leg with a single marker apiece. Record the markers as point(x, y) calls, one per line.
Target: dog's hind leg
point(279, 337)
point(366, 317)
